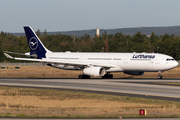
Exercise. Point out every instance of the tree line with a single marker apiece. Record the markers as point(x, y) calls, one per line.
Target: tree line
point(166, 44)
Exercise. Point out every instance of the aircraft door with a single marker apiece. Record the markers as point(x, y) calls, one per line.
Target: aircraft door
point(151, 63)
point(125, 60)
point(157, 60)
point(81, 58)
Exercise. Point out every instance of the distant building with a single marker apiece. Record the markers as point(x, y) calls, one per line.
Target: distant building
point(149, 36)
point(97, 32)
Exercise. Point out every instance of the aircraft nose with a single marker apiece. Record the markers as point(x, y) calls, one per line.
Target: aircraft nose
point(172, 64)
point(176, 63)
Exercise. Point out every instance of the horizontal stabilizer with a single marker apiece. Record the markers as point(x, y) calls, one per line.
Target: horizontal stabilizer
point(8, 56)
point(20, 54)
point(14, 53)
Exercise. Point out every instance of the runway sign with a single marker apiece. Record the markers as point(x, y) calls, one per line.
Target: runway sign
point(142, 111)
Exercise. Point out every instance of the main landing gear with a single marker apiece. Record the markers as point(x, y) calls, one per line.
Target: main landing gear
point(84, 76)
point(107, 76)
point(160, 75)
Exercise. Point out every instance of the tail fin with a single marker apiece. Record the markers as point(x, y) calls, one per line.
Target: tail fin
point(34, 43)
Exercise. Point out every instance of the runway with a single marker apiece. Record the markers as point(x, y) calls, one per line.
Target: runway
point(90, 119)
point(146, 88)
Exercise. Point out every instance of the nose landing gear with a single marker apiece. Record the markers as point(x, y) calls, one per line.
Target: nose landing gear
point(160, 75)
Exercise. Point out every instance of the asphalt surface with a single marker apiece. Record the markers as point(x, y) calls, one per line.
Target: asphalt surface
point(146, 88)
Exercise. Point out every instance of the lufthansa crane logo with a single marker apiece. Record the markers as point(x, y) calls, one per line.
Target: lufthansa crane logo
point(33, 43)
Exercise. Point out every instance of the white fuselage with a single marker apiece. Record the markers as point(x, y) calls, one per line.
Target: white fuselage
point(146, 62)
point(95, 64)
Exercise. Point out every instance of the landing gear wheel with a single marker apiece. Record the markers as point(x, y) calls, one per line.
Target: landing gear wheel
point(107, 76)
point(110, 76)
point(160, 76)
point(84, 77)
point(80, 76)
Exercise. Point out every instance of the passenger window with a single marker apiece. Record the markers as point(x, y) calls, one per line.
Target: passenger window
point(168, 59)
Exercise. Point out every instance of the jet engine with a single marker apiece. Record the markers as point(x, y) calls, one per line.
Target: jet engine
point(94, 71)
point(134, 72)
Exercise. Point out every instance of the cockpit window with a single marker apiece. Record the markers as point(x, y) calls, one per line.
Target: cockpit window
point(170, 59)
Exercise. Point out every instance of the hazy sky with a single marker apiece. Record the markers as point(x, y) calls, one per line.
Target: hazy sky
point(66, 15)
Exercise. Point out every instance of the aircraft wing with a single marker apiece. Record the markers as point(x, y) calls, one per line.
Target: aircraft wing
point(73, 63)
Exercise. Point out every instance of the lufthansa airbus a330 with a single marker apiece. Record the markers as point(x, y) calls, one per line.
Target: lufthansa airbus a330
point(96, 64)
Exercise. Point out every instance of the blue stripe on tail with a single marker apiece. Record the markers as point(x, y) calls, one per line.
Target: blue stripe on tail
point(34, 43)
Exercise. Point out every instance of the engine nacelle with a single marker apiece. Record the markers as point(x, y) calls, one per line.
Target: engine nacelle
point(133, 72)
point(94, 71)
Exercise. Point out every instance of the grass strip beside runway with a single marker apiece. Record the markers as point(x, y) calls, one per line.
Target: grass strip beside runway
point(31, 102)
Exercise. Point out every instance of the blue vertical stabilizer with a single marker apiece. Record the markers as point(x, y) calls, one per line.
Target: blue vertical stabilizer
point(34, 43)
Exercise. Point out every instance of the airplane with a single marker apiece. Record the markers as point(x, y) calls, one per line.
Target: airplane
point(93, 63)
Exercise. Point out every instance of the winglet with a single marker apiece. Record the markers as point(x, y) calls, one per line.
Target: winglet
point(8, 56)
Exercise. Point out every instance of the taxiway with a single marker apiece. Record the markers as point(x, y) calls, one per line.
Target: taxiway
point(147, 88)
